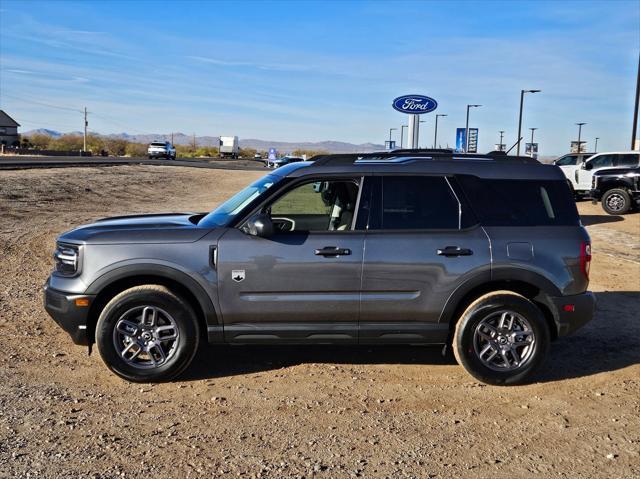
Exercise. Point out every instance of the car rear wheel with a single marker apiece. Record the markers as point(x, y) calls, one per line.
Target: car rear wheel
point(616, 202)
point(502, 338)
point(147, 334)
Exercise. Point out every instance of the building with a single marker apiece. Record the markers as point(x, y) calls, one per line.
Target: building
point(8, 130)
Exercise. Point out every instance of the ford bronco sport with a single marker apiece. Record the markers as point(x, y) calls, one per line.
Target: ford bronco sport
point(484, 253)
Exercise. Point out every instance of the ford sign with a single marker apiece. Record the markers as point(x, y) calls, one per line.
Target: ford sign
point(414, 104)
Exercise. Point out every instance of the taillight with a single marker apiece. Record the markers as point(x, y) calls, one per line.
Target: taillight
point(585, 258)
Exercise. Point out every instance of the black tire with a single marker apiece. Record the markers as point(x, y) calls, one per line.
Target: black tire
point(489, 306)
point(616, 201)
point(134, 299)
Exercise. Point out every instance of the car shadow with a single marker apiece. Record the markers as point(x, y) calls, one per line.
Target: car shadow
point(608, 343)
point(588, 220)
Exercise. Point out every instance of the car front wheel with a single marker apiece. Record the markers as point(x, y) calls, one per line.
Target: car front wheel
point(147, 334)
point(501, 338)
point(616, 202)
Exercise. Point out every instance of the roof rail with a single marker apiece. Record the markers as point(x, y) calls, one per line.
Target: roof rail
point(405, 156)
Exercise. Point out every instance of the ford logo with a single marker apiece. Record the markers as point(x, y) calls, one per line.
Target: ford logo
point(414, 104)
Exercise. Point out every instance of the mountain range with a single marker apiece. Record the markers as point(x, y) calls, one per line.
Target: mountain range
point(261, 145)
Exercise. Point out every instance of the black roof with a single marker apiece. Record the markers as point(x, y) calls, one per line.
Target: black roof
point(6, 120)
point(496, 165)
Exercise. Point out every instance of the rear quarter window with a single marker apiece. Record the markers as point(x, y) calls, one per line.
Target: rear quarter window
point(520, 202)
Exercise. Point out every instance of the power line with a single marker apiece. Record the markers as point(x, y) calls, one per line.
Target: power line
point(44, 104)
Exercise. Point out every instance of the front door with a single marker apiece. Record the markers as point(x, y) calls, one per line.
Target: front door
point(301, 285)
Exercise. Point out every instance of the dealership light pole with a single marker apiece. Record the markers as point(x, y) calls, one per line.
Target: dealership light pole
point(635, 110)
point(579, 135)
point(435, 135)
point(390, 130)
point(531, 151)
point(501, 137)
point(595, 150)
point(522, 92)
point(466, 130)
point(420, 121)
point(402, 127)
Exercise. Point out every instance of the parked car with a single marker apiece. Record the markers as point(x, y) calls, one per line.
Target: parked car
point(284, 160)
point(257, 156)
point(161, 149)
point(579, 175)
point(488, 257)
point(618, 189)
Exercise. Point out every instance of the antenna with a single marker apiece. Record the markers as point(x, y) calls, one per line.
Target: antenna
point(514, 145)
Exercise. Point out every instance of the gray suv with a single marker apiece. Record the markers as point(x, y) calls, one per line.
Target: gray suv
point(484, 253)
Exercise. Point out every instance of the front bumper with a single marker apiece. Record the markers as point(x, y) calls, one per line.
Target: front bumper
point(573, 312)
point(71, 318)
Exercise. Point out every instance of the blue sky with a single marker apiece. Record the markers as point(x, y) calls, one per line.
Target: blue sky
point(313, 71)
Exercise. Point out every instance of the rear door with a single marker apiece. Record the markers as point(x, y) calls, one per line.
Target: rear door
point(421, 244)
point(301, 285)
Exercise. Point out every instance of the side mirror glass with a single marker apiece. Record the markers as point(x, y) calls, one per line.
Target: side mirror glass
point(261, 226)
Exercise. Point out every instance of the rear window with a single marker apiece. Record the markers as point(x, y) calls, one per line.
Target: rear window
point(567, 160)
point(158, 144)
point(520, 202)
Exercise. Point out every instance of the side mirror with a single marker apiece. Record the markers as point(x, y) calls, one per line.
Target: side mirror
point(261, 226)
point(587, 165)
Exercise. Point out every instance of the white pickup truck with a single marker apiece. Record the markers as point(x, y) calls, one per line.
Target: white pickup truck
point(579, 168)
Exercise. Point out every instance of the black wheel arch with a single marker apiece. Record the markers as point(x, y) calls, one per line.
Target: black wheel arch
point(117, 280)
point(529, 284)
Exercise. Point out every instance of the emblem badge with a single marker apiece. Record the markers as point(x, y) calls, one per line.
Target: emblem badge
point(237, 275)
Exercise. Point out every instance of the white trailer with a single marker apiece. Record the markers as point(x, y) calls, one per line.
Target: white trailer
point(229, 146)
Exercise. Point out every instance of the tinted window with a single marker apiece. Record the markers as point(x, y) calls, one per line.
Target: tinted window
point(520, 202)
point(602, 161)
point(418, 202)
point(567, 160)
point(627, 160)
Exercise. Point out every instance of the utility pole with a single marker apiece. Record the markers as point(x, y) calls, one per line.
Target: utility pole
point(172, 138)
point(501, 136)
point(595, 150)
point(86, 123)
point(194, 142)
point(531, 151)
point(522, 92)
point(435, 135)
point(579, 133)
point(635, 110)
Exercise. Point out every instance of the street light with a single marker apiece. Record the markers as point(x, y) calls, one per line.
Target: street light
point(522, 92)
point(579, 133)
point(390, 130)
point(435, 136)
point(501, 136)
point(595, 150)
point(402, 127)
point(532, 130)
point(466, 130)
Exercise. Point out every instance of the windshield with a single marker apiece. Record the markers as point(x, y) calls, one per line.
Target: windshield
point(567, 160)
point(224, 213)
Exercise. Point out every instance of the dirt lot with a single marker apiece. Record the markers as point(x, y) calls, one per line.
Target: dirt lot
point(297, 412)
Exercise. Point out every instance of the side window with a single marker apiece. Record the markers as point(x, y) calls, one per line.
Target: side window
point(418, 202)
point(567, 160)
point(318, 206)
point(627, 160)
point(602, 161)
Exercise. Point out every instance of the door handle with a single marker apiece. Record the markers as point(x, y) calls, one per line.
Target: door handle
point(454, 251)
point(332, 251)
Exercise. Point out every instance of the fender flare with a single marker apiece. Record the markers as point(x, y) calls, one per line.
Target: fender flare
point(151, 269)
point(496, 274)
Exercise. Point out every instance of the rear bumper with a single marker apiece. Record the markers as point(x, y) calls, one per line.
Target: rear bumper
point(71, 318)
point(569, 321)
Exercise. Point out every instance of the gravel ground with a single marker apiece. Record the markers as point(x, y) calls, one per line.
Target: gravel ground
point(297, 412)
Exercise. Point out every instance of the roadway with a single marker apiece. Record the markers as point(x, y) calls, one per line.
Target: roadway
point(27, 162)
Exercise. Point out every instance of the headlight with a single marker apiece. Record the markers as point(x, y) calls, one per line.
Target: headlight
point(67, 259)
